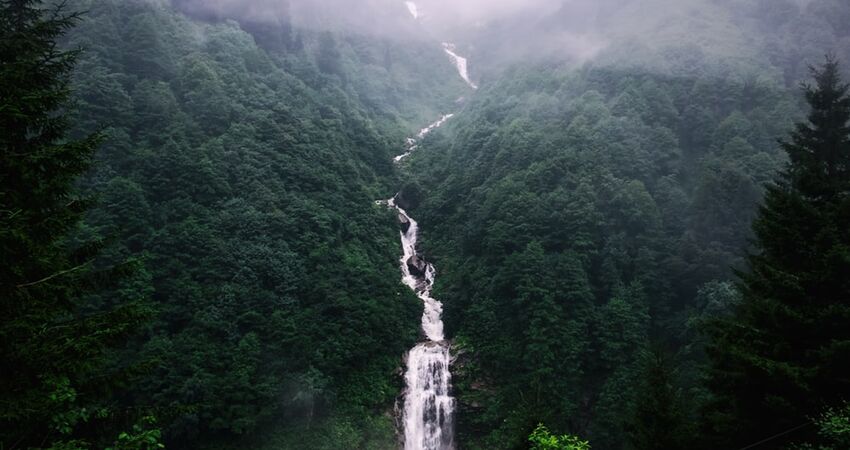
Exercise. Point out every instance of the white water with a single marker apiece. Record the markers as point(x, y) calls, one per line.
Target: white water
point(414, 11)
point(460, 64)
point(411, 145)
point(428, 404)
point(428, 415)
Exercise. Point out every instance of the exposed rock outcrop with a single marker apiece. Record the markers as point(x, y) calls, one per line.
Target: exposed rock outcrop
point(417, 266)
point(404, 222)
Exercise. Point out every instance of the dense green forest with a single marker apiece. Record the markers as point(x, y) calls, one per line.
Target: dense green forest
point(587, 222)
point(241, 180)
point(600, 212)
point(644, 249)
point(245, 178)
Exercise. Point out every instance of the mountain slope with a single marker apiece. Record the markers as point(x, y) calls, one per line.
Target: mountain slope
point(245, 177)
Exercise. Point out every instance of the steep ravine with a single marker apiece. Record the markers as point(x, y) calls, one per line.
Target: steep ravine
point(427, 417)
point(428, 405)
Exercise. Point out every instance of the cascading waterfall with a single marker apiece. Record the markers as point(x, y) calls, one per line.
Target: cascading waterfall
point(428, 404)
point(411, 143)
point(460, 63)
point(450, 49)
point(428, 415)
point(414, 11)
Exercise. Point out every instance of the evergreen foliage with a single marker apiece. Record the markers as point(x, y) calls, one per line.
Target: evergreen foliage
point(572, 224)
point(783, 355)
point(247, 177)
point(578, 214)
point(55, 388)
point(659, 421)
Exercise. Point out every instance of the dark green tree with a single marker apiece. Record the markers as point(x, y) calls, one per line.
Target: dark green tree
point(658, 421)
point(51, 345)
point(784, 355)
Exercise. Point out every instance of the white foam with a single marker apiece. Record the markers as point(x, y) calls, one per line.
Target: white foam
point(411, 143)
point(460, 63)
point(414, 10)
point(428, 405)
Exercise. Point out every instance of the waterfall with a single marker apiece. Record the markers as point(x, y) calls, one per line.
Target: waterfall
point(428, 414)
point(460, 63)
point(428, 404)
point(414, 11)
point(410, 145)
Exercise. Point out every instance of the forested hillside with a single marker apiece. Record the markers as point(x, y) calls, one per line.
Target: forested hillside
point(590, 216)
point(587, 222)
point(244, 176)
point(228, 224)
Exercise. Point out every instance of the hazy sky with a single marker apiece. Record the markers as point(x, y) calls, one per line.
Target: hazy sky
point(492, 31)
point(451, 20)
point(435, 13)
point(476, 11)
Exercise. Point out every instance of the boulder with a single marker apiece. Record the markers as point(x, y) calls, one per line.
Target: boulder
point(409, 196)
point(401, 201)
point(417, 266)
point(404, 222)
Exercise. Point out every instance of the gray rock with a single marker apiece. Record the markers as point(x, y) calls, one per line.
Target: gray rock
point(404, 222)
point(417, 266)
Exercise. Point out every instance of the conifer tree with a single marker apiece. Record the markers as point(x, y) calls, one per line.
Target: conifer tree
point(658, 422)
point(784, 354)
point(51, 346)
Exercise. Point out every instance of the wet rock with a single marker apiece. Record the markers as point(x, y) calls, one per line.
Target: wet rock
point(401, 201)
point(417, 266)
point(404, 222)
point(410, 196)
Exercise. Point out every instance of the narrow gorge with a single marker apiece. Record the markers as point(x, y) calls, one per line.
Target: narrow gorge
point(427, 417)
point(428, 405)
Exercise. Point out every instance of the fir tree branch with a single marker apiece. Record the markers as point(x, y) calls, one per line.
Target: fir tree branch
point(57, 274)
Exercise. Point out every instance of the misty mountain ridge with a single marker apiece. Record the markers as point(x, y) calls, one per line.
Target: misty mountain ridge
point(425, 224)
point(611, 32)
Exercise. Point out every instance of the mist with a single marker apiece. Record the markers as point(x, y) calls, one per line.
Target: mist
point(370, 17)
point(502, 30)
point(494, 34)
point(361, 13)
point(289, 179)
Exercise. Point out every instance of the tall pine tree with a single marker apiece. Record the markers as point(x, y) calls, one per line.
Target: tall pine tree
point(785, 353)
point(52, 383)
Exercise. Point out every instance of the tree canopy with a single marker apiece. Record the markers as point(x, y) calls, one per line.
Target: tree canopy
point(55, 385)
point(782, 356)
